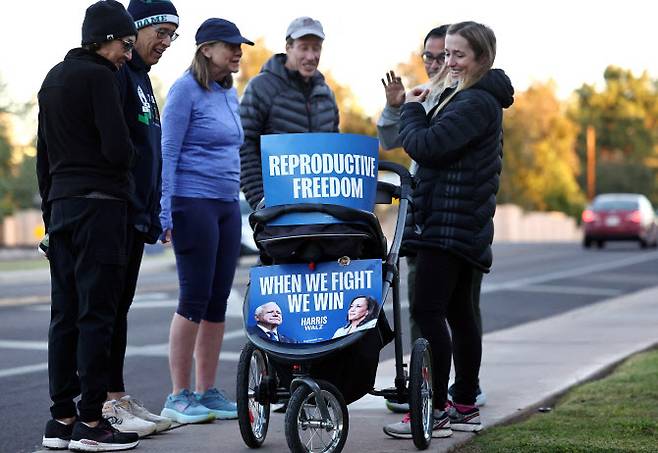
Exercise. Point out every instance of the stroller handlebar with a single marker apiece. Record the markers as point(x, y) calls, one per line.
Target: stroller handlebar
point(406, 180)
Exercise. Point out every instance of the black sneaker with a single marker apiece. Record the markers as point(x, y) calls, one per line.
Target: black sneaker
point(57, 435)
point(104, 437)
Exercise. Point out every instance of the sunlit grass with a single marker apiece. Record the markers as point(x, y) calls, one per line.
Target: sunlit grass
point(616, 414)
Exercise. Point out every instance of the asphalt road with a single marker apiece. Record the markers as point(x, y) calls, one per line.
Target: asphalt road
point(528, 282)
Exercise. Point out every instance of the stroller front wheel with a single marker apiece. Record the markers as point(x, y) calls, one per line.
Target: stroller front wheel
point(421, 405)
point(253, 413)
point(306, 431)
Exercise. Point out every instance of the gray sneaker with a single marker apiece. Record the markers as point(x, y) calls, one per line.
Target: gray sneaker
point(402, 429)
point(138, 410)
point(467, 419)
point(122, 420)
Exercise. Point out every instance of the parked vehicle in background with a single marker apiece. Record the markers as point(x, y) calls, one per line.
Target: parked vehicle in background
point(620, 217)
point(247, 244)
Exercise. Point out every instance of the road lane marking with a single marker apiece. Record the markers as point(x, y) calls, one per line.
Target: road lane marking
point(567, 273)
point(162, 350)
point(159, 300)
point(27, 345)
point(154, 350)
point(150, 296)
point(27, 300)
point(18, 371)
point(577, 290)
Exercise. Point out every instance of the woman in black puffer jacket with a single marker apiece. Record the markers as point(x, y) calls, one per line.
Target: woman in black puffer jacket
point(458, 148)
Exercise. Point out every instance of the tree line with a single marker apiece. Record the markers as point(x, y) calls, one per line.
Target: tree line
point(544, 164)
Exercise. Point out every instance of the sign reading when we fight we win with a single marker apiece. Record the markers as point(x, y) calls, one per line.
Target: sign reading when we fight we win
point(291, 303)
point(322, 168)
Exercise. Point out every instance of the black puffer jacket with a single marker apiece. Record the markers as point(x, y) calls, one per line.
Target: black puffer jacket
point(277, 101)
point(459, 153)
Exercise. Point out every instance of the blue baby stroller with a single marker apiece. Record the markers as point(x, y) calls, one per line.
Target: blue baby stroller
point(317, 380)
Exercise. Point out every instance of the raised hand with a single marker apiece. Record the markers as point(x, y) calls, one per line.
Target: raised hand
point(394, 89)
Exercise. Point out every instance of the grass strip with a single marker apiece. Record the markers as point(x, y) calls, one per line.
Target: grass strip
point(618, 413)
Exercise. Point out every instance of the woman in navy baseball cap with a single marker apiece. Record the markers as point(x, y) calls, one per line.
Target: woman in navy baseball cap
point(201, 139)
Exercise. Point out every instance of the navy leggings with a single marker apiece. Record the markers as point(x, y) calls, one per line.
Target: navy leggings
point(206, 238)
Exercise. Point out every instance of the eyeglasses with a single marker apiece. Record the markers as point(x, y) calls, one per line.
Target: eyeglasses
point(163, 33)
point(428, 58)
point(128, 46)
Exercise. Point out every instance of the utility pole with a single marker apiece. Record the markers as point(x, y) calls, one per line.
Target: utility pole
point(591, 162)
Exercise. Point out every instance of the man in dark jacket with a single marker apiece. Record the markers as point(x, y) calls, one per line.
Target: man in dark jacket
point(156, 22)
point(84, 155)
point(288, 96)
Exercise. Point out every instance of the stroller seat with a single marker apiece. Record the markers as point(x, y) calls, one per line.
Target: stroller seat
point(357, 236)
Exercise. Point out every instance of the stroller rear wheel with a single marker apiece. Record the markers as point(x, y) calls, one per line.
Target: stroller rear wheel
point(306, 431)
point(420, 394)
point(253, 412)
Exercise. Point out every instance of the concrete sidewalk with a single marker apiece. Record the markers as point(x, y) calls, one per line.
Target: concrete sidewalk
point(523, 368)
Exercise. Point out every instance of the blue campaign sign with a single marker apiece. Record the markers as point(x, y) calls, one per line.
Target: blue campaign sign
point(319, 168)
point(294, 304)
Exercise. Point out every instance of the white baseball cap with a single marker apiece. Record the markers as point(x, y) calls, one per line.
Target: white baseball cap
point(303, 26)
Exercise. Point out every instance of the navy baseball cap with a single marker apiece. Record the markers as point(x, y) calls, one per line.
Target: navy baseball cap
point(220, 30)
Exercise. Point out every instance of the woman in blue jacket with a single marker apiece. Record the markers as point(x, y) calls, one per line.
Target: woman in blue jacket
point(201, 140)
point(457, 145)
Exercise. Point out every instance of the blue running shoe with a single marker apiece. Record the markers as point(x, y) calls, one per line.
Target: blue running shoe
point(184, 408)
point(218, 403)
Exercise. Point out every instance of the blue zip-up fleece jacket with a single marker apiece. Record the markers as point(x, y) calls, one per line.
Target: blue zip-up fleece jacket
point(201, 140)
point(143, 119)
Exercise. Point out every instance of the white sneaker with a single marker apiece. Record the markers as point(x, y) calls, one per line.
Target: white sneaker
point(402, 429)
point(138, 410)
point(124, 421)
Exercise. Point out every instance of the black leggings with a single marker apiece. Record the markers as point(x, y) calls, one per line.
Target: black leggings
point(444, 291)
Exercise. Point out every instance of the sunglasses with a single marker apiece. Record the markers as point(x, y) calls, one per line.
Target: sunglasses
point(128, 46)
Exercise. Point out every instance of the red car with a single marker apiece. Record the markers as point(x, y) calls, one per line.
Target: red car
point(620, 217)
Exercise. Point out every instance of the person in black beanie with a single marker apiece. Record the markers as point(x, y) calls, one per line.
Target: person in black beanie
point(156, 22)
point(84, 156)
point(106, 21)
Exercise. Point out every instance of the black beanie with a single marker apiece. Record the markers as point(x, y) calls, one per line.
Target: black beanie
point(106, 20)
point(149, 12)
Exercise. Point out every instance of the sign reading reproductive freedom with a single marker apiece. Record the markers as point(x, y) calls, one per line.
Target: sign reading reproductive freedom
point(291, 303)
point(322, 168)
